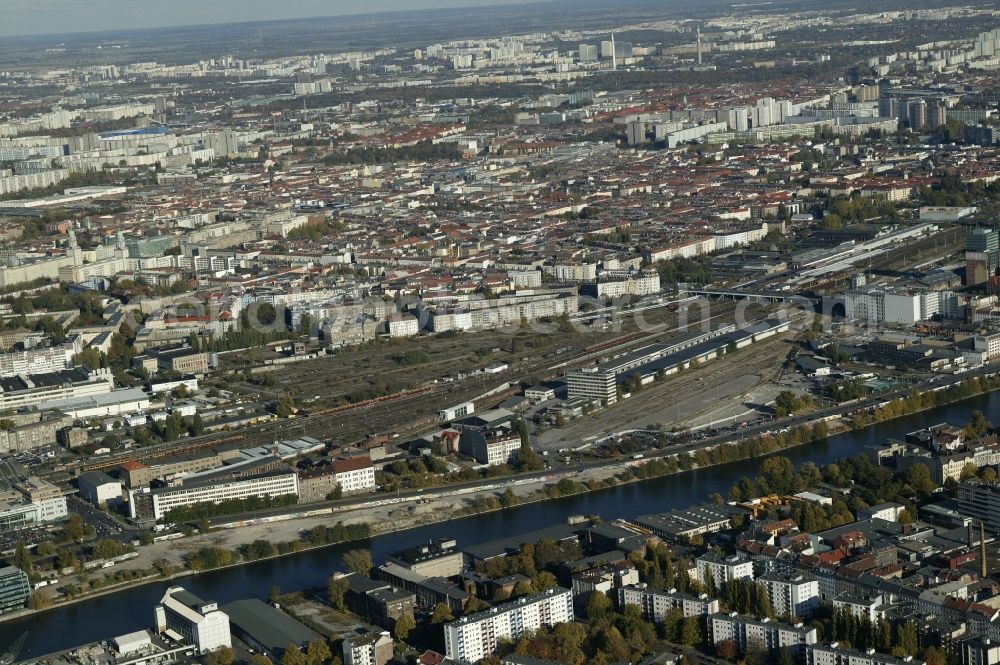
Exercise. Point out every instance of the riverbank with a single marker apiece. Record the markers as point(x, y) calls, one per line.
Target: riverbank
point(130, 609)
point(383, 520)
point(427, 511)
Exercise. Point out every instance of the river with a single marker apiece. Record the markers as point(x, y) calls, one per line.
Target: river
point(129, 610)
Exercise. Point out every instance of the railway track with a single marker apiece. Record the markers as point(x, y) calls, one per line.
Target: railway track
point(327, 423)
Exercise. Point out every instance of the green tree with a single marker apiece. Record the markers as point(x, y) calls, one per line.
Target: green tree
point(266, 313)
point(22, 556)
point(599, 607)
point(196, 426)
point(285, 407)
point(318, 653)
point(221, 656)
point(293, 656)
point(907, 642)
point(401, 630)
point(522, 588)
point(761, 605)
point(40, 600)
point(978, 425)
point(358, 561)
point(934, 656)
point(691, 631)
point(726, 649)
point(787, 403)
point(779, 472)
point(671, 625)
point(545, 581)
point(336, 588)
point(527, 459)
point(442, 614)
point(415, 357)
point(832, 221)
point(918, 476)
point(785, 656)
point(508, 498)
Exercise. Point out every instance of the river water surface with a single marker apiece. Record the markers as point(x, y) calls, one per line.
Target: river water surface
point(132, 609)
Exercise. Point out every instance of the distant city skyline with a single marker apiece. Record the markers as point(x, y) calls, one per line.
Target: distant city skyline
point(41, 17)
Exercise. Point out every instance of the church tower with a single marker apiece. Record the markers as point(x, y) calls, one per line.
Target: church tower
point(73, 249)
point(120, 250)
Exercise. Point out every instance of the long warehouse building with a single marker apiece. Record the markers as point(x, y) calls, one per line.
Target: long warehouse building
point(601, 382)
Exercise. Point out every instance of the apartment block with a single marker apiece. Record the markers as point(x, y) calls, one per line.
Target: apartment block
point(368, 649)
point(655, 604)
point(472, 638)
point(749, 633)
point(723, 569)
point(835, 654)
point(794, 595)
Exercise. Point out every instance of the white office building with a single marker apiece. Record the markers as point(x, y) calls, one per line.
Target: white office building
point(185, 617)
point(472, 638)
point(873, 305)
point(981, 501)
point(988, 343)
point(236, 481)
point(593, 384)
point(31, 502)
point(794, 595)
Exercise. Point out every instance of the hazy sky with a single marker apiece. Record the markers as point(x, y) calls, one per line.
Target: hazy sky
point(29, 17)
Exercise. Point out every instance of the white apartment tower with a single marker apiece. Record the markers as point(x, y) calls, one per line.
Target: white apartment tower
point(472, 638)
point(794, 595)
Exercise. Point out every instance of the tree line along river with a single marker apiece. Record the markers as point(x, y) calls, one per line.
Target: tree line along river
point(132, 609)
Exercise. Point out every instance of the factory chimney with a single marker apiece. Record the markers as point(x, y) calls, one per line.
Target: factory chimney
point(699, 44)
point(614, 53)
point(984, 573)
